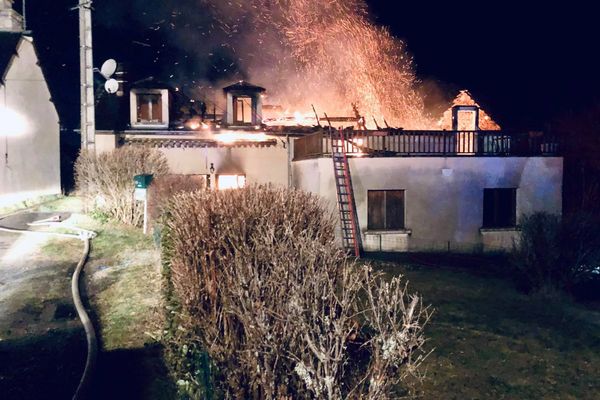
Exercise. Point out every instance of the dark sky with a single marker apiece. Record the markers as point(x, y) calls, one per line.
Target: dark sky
point(527, 63)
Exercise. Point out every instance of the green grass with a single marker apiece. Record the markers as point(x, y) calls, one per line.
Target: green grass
point(123, 282)
point(489, 341)
point(122, 276)
point(123, 287)
point(492, 342)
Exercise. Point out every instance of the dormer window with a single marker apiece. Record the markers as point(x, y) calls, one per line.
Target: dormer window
point(149, 108)
point(244, 104)
point(465, 118)
point(242, 114)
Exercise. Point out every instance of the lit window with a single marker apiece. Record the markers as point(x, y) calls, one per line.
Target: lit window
point(466, 120)
point(231, 181)
point(499, 208)
point(243, 110)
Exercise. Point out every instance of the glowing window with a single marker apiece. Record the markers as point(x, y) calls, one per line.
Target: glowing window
point(231, 181)
point(243, 110)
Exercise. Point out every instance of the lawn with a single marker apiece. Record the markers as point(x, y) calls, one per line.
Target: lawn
point(491, 342)
point(123, 288)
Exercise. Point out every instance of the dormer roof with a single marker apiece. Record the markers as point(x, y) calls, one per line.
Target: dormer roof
point(243, 86)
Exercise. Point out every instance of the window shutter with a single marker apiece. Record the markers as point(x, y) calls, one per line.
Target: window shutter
point(394, 208)
point(376, 210)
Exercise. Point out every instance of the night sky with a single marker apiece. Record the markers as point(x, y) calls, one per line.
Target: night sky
point(526, 64)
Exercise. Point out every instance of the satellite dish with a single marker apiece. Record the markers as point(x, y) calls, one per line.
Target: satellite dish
point(108, 68)
point(111, 86)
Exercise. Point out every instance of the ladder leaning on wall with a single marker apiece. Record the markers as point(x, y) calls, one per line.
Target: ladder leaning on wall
point(345, 193)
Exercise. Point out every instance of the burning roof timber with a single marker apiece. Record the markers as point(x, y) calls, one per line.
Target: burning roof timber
point(464, 98)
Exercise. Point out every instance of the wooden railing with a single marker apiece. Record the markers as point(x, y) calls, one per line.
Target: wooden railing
point(390, 143)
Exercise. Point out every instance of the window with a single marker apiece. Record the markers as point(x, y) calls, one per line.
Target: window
point(385, 209)
point(230, 182)
point(465, 118)
point(499, 208)
point(243, 110)
point(149, 108)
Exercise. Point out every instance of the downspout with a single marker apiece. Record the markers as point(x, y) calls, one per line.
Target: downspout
point(289, 159)
point(6, 136)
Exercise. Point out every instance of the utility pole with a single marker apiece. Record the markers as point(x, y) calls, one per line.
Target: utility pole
point(86, 60)
point(24, 13)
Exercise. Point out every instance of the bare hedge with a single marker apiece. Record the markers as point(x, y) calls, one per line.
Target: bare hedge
point(106, 180)
point(165, 187)
point(265, 291)
point(557, 253)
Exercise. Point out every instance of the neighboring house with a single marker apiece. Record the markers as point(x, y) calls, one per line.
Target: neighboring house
point(29, 123)
point(446, 190)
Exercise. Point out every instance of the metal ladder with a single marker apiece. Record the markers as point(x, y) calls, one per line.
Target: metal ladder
point(345, 194)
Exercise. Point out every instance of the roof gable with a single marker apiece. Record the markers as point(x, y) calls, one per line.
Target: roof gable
point(243, 86)
point(465, 98)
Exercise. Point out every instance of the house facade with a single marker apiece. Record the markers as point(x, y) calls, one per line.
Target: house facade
point(446, 190)
point(29, 123)
point(149, 113)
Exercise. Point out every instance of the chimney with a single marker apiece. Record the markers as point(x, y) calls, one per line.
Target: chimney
point(10, 20)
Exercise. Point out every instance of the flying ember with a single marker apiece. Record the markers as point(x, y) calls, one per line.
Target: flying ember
point(325, 54)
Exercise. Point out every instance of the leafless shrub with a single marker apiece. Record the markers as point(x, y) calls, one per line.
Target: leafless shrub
point(557, 253)
point(106, 180)
point(165, 187)
point(281, 311)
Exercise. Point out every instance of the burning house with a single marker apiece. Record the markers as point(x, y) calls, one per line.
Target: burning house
point(458, 189)
point(229, 148)
point(334, 110)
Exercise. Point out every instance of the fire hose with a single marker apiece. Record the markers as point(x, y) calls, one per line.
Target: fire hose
point(92, 345)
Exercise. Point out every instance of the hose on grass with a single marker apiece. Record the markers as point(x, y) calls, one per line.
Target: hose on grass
point(92, 343)
point(90, 334)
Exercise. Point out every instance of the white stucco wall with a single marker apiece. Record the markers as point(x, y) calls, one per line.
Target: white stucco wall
point(105, 141)
point(259, 164)
point(33, 165)
point(441, 209)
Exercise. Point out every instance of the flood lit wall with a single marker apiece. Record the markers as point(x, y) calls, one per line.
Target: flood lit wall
point(259, 164)
point(29, 132)
point(443, 196)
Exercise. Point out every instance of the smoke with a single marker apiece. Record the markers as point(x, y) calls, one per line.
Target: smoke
point(305, 52)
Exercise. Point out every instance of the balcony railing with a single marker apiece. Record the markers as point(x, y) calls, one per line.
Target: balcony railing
point(401, 143)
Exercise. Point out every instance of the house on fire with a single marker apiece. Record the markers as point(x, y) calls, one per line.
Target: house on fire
point(461, 188)
point(29, 123)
